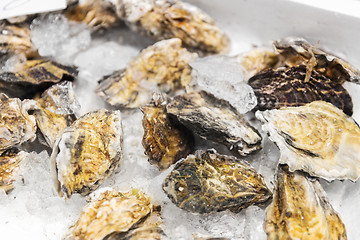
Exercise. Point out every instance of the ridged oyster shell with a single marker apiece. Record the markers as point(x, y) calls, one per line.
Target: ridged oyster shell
point(87, 152)
point(164, 64)
point(166, 19)
point(317, 138)
point(216, 120)
point(165, 140)
point(209, 182)
point(287, 87)
point(301, 210)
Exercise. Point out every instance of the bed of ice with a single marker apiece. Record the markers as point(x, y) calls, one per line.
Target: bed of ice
point(33, 209)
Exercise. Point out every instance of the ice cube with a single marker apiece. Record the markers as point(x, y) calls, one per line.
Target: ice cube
point(254, 217)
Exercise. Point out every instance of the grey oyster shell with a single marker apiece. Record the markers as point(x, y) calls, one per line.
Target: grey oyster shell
point(87, 152)
point(216, 120)
point(208, 182)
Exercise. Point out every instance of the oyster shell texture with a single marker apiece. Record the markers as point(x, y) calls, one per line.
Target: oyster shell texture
point(317, 138)
point(87, 152)
point(287, 87)
point(164, 64)
point(34, 76)
point(9, 167)
point(16, 125)
point(164, 19)
point(56, 108)
point(297, 51)
point(111, 213)
point(165, 140)
point(301, 210)
point(216, 120)
point(208, 182)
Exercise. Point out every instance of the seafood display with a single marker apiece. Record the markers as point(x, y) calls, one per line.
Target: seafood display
point(87, 152)
point(209, 182)
point(164, 64)
point(317, 138)
point(301, 210)
point(165, 141)
point(286, 87)
point(216, 120)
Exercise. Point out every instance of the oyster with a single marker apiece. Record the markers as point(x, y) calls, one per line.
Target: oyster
point(301, 210)
point(209, 182)
point(165, 63)
point(166, 19)
point(216, 120)
point(317, 138)
point(165, 140)
point(112, 214)
point(296, 51)
point(16, 125)
point(56, 108)
point(33, 76)
point(9, 167)
point(87, 152)
point(286, 87)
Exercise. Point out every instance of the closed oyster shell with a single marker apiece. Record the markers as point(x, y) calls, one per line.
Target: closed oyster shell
point(87, 152)
point(165, 64)
point(287, 87)
point(165, 140)
point(34, 76)
point(16, 125)
point(166, 19)
point(317, 138)
point(216, 120)
point(209, 182)
point(301, 210)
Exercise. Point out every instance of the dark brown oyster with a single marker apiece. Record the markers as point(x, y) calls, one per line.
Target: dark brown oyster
point(216, 120)
point(34, 76)
point(165, 140)
point(301, 210)
point(209, 182)
point(287, 87)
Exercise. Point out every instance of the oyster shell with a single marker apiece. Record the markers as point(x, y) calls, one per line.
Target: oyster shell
point(301, 210)
point(296, 51)
point(216, 120)
point(112, 213)
point(209, 182)
point(16, 125)
point(34, 76)
point(165, 140)
point(164, 64)
point(317, 138)
point(287, 87)
point(9, 167)
point(56, 108)
point(87, 152)
point(166, 19)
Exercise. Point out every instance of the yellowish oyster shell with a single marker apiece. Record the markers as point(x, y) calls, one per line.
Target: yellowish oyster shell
point(317, 138)
point(301, 210)
point(87, 152)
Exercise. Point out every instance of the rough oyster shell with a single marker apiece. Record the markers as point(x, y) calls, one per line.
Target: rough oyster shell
point(165, 140)
point(16, 125)
point(164, 64)
point(317, 138)
point(34, 76)
point(209, 182)
point(166, 19)
point(287, 87)
point(87, 152)
point(56, 108)
point(111, 213)
point(296, 51)
point(216, 120)
point(301, 210)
